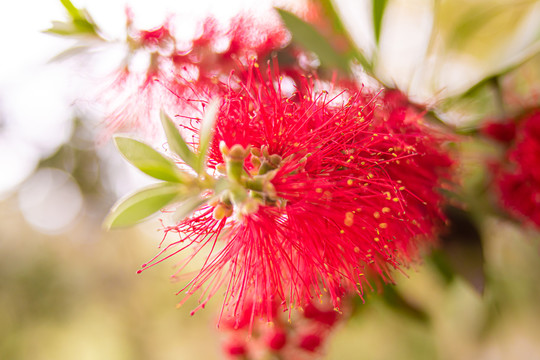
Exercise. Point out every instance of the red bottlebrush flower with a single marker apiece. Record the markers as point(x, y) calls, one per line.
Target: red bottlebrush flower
point(503, 132)
point(310, 342)
point(155, 37)
point(235, 349)
point(326, 317)
point(180, 77)
point(333, 188)
point(276, 339)
point(519, 179)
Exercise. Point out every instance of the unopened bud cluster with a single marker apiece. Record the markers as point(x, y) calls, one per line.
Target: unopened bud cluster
point(250, 338)
point(247, 190)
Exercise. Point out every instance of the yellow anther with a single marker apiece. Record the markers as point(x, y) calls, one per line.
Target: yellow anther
point(376, 214)
point(383, 225)
point(349, 218)
point(349, 182)
point(385, 209)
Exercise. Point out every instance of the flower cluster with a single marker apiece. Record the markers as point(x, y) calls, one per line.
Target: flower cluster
point(177, 74)
point(300, 338)
point(518, 178)
point(325, 191)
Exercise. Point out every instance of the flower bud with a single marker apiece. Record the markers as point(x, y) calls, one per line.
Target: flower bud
point(276, 339)
point(310, 342)
point(223, 148)
point(237, 152)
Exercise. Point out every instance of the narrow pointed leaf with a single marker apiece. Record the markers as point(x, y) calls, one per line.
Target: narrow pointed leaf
point(308, 37)
point(149, 161)
point(378, 13)
point(206, 133)
point(71, 9)
point(70, 52)
point(176, 141)
point(142, 204)
point(354, 52)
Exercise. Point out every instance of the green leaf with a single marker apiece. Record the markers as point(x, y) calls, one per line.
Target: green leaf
point(149, 161)
point(308, 37)
point(71, 9)
point(176, 141)
point(378, 13)
point(206, 133)
point(142, 204)
point(461, 252)
point(80, 23)
point(353, 53)
point(70, 52)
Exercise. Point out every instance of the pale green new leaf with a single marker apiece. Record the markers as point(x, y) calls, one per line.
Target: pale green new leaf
point(80, 24)
point(378, 13)
point(176, 141)
point(308, 37)
point(149, 161)
point(71, 9)
point(206, 134)
point(142, 204)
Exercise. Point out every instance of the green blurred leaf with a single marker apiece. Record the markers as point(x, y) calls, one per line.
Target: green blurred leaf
point(355, 53)
point(81, 23)
point(461, 252)
point(479, 28)
point(308, 37)
point(142, 204)
point(176, 141)
point(83, 26)
point(71, 9)
point(397, 302)
point(206, 133)
point(70, 52)
point(378, 12)
point(149, 161)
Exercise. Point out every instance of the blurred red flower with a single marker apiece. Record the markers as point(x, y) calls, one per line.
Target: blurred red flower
point(518, 178)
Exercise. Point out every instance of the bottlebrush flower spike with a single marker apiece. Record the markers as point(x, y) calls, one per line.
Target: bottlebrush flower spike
point(519, 178)
point(320, 192)
point(176, 74)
